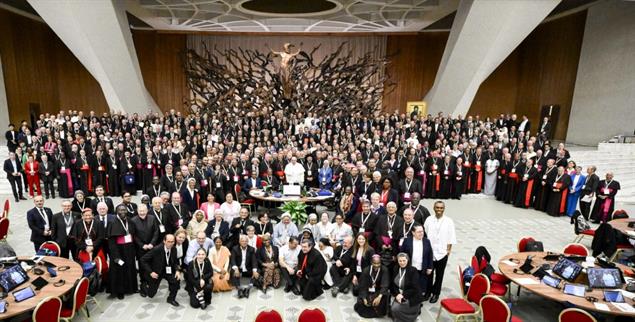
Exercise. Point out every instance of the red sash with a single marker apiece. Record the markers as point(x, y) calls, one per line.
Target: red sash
point(69, 182)
point(563, 200)
point(438, 182)
point(479, 177)
point(530, 186)
point(89, 173)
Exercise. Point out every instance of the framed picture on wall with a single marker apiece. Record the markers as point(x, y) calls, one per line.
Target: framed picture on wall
point(416, 107)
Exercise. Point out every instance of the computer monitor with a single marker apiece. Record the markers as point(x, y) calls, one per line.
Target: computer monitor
point(605, 277)
point(291, 190)
point(567, 269)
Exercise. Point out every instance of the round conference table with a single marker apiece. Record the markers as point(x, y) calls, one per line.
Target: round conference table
point(70, 276)
point(534, 285)
point(260, 195)
point(622, 226)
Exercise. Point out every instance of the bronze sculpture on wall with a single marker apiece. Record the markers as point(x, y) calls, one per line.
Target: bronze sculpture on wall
point(248, 82)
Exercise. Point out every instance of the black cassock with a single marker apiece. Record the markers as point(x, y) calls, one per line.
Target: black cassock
point(513, 181)
point(526, 187)
point(65, 180)
point(460, 178)
point(447, 178)
point(313, 269)
point(99, 169)
point(434, 177)
point(372, 283)
point(113, 186)
point(544, 186)
point(85, 175)
point(123, 278)
point(557, 204)
point(503, 179)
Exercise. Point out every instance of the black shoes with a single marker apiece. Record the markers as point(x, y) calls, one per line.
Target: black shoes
point(173, 302)
point(434, 299)
point(334, 291)
point(287, 288)
point(426, 297)
point(243, 292)
point(22, 198)
point(120, 296)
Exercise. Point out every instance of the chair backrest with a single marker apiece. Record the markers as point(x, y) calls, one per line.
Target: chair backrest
point(48, 310)
point(268, 316)
point(99, 266)
point(80, 294)
point(479, 286)
point(4, 228)
point(264, 183)
point(237, 188)
point(522, 243)
point(475, 265)
point(575, 249)
point(461, 280)
point(7, 207)
point(52, 246)
point(312, 315)
point(494, 309)
point(575, 315)
point(617, 214)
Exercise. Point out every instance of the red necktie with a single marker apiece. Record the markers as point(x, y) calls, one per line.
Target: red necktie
point(304, 262)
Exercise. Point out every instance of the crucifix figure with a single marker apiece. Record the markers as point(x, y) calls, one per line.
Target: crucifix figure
point(286, 64)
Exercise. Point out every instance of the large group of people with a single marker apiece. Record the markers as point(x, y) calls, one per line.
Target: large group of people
point(194, 171)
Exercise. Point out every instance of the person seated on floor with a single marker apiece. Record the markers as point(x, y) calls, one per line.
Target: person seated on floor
point(198, 278)
point(374, 293)
point(244, 265)
point(312, 269)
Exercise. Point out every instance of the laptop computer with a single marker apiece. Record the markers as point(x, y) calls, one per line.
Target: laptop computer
point(605, 277)
point(291, 190)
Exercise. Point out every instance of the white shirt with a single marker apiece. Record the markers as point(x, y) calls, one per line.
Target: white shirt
point(522, 125)
point(230, 211)
point(243, 268)
point(339, 232)
point(417, 253)
point(252, 241)
point(324, 230)
point(441, 233)
point(294, 173)
point(290, 256)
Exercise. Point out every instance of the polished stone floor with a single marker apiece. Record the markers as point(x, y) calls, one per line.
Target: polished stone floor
point(479, 221)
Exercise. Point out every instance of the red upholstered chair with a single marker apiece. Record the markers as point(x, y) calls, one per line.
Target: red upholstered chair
point(7, 207)
point(4, 228)
point(79, 299)
point(465, 306)
point(494, 309)
point(248, 203)
point(575, 249)
point(312, 315)
point(575, 315)
point(48, 310)
point(499, 282)
point(522, 243)
point(53, 246)
point(617, 214)
point(268, 316)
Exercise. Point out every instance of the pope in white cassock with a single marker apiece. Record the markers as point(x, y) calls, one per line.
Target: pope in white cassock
point(294, 172)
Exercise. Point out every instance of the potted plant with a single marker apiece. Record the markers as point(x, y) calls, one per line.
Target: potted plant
point(296, 211)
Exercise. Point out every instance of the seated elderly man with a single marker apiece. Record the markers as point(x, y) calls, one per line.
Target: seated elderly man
point(243, 265)
point(283, 230)
point(201, 241)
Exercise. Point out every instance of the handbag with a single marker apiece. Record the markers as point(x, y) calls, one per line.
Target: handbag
point(129, 179)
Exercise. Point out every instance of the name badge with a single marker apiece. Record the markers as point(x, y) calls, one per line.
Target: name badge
point(371, 289)
point(217, 184)
point(114, 167)
point(170, 161)
point(180, 222)
point(467, 164)
point(46, 227)
point(478, 163)
point(421, 172)
point(544, 177)
point(525, 176)
point(204, 182)
point(364, 196)
point(607, 191)
point(63, 168)
point(583, 186)
point(446, 172)
point(149, 166)
point(555, 184)
point(127, 238)
point(359, 269)
point(100, 168)
point(161, 228)
point(536, 166)
point(406, 195)
point(459, 173)
point(168, 270)
point(235, 178)
point(434, 167)
point(401, 241)
point(362, 230)
point(513, 170)
point(88, 242)
point(390, 234)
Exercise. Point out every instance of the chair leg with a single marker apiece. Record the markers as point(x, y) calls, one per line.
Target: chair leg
point(439, 314)
point(615, 255)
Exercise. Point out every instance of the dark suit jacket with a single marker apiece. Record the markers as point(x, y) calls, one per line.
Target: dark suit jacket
point(184, 214)
point(261, 256)
point(8, 167)
point(154, 260)
point(36, 224)
point(51, 170)
point(95, 201)
point(10, 137)
point(109, 219)
point(248, 184)
point(251, 262)
point(223, 230)
point(58, 225)
point(426, 254)
point(591, 185)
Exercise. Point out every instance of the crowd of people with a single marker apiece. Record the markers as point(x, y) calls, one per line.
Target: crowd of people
point(194, 171)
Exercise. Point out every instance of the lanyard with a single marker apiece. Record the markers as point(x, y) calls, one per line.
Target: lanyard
point(402, 273)
point(374, 279)
point(391, 223)
point(200, 268)
point(160, 215)
point(178, 211)
point(125, 226)
point(167, 257)
point(364, 220)
point(558, 177)
point(69, 221)
point(405, 232)
point(88, 230)
point(408, 185)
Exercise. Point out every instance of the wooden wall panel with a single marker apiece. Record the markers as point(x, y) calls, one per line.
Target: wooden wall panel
point(162, 67)
point(413, 67)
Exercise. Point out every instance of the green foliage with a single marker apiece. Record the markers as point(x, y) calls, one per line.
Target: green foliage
point(296, 210)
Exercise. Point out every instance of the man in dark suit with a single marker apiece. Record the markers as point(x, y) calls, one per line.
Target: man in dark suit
point(178, 210)
point(167, 221)
point(341, 270)
point(12, 138)
point(62, 224)
point(47, 175)
point(100, 197)
point(161, 263)
point(243, 264)
point(525, 125)
point(40, 219)
point(545, 128)
point(588, 191)
point(252, 183)
point(419, 250)
point(13, 168)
